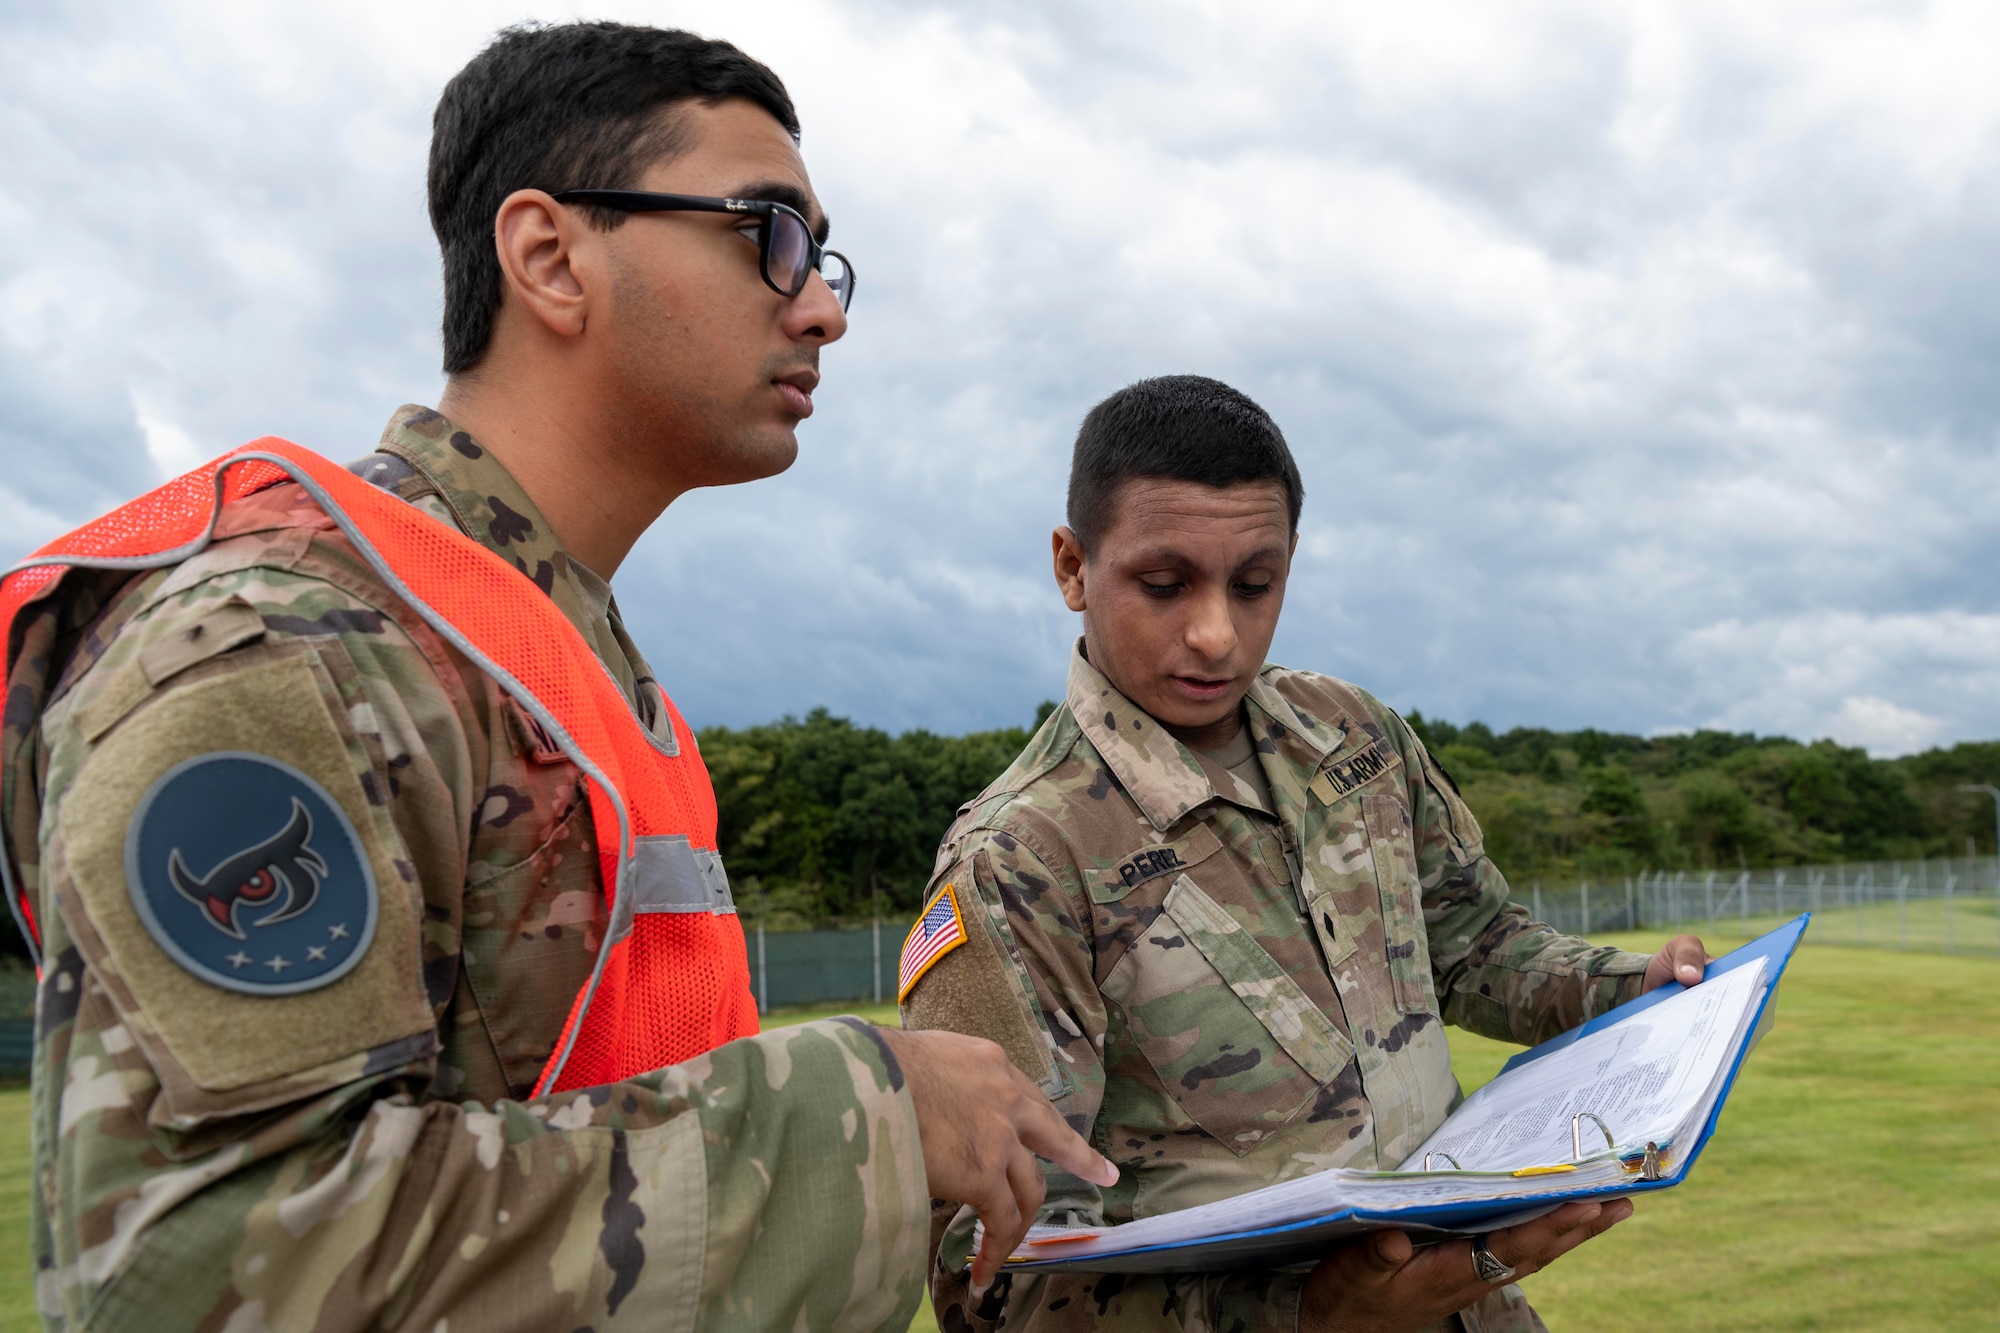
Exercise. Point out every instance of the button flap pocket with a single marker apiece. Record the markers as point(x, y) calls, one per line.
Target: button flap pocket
point(1405, 943)
point(1150, 863)
point(1292, 1019)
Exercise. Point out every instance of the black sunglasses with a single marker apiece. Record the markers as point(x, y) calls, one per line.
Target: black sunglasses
point(786, 250)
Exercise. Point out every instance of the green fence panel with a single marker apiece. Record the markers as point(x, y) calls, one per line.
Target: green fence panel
point(17, 1045)
point(823, 966)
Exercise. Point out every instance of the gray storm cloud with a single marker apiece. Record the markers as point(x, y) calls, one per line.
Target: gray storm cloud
point(1636, 359)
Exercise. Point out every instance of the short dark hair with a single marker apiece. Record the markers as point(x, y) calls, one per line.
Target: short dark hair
point(559, 107)
point(1182, 427)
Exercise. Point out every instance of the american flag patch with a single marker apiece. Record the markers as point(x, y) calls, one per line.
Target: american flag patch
point(937, 932)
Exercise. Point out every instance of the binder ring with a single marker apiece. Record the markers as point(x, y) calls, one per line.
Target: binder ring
point(1447, 1157)
point(1576, 1133)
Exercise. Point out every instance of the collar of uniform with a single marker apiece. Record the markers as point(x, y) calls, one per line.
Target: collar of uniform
point(1159, 773)
point(1291, 745)
point(488, 503)
point(1301, 730)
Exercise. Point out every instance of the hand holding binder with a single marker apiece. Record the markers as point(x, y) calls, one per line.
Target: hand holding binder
point(1680, 959)
point(1384, 1281)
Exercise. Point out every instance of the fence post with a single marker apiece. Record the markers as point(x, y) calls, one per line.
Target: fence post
point(763, 978)
point(877, 926)
point(1631, 920)
point(1708, 898)
point(1950, 944)
point(1538, 900)
point(1972, 871)
point(1903, 907)
point(1778, 893)
point(1586, 931)
point(1743, 908)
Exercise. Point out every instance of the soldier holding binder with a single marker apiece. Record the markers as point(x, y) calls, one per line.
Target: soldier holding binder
point(1220, 911)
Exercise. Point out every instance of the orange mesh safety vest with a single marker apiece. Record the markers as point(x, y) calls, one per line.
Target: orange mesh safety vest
point(672, 979)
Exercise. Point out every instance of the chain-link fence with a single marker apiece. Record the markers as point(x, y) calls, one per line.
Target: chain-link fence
point(1944, 905)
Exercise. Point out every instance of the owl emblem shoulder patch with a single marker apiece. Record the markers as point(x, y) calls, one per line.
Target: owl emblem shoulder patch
point(249, 875)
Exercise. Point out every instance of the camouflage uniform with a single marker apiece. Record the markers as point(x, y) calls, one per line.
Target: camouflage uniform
point(1221, 995)
point(368, 1155)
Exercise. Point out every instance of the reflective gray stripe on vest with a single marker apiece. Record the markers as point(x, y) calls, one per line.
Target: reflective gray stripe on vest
point(670, 874)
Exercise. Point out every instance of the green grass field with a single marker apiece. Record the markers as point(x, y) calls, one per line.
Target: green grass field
point(1853, 1184)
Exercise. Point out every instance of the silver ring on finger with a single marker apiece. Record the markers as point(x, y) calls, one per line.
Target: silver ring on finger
point(1487, 1264)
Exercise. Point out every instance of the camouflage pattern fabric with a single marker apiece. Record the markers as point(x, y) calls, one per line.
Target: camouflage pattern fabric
point(1223, 989)
point(365, 1155)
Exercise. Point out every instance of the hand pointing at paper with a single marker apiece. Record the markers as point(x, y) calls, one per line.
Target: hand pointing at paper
point(982, 1125)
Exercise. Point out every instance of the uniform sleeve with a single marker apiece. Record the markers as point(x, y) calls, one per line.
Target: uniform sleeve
point(1497, 972)
point(1024, 980)
point(255, 1157)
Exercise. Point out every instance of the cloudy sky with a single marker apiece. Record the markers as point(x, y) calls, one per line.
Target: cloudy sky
point(1640, 359)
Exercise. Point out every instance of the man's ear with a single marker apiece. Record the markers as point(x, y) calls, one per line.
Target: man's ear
point(1069, 563)
point(537, 243)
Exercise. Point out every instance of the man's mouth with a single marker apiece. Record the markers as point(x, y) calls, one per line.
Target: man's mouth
point(1202, 689)
point(797, 390)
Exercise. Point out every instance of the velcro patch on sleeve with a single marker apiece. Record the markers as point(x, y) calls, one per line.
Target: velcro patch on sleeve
point(220, 845)
point(937, 932)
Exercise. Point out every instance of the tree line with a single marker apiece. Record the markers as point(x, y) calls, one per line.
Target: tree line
point(1559, 806)
point(827, 823)
point(824, 822)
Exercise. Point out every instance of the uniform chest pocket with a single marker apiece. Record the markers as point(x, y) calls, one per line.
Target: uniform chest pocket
point(534, 913)
point(1236, 1042)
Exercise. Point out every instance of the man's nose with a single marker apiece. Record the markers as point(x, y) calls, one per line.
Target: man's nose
point(814, 315)
point(1211, 630)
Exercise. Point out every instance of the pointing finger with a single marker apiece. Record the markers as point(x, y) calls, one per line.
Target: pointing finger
point(1049, 1135)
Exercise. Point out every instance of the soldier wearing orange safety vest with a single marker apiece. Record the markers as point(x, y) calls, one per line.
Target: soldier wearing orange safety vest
point(390, 976)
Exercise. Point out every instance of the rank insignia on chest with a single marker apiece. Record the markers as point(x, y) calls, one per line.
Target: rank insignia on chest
point(937, 932)
point(1343, 776)
point(249, 875)
point(535, 738)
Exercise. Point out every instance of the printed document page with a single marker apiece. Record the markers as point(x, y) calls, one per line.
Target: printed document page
point(1645, 1078)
